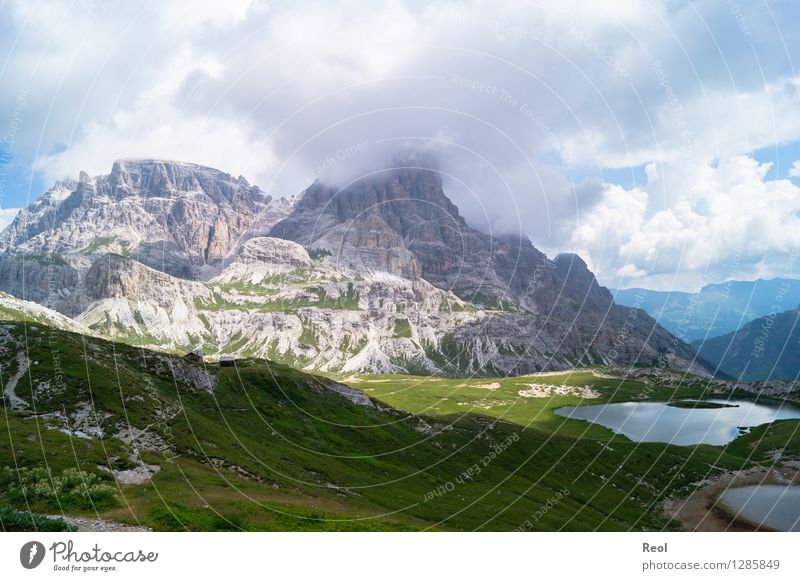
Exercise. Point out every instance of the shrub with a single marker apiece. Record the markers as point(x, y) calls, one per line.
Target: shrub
point(12, 520)
point(318, 253)
point(74, 488)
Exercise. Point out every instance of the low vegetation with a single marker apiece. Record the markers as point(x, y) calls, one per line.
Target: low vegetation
point(14, 521)
point(72, 488)
point(273, 448)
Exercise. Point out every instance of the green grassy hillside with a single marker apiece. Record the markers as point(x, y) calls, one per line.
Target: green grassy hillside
point(261, 446)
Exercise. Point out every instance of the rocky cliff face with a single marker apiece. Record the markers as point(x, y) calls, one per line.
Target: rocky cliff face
point(274, 301)
point(544, 313)
point(180, 218)
point(401, 221)
point(382, 275)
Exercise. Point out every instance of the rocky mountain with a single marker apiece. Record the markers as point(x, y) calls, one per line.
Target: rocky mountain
point(762, 350)
point(382, 275)
point(274, 301)
point(400, 221)
point(716, 309)
point(551, 311)
point(15, 310)
point(179, 218)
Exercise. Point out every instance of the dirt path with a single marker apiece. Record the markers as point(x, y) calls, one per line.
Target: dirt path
point(17, 403)
point(700, 512)
point(98, 525)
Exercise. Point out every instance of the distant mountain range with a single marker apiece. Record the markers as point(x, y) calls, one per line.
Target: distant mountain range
point(717, 309)
point(382, 275)
point(765, 349)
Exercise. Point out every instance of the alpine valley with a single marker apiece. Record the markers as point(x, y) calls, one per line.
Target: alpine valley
point(181, 350)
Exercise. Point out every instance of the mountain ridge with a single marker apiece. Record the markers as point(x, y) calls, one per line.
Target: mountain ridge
point(398, 281)
point(764, 349)
point(716, 309)
point(175, 217)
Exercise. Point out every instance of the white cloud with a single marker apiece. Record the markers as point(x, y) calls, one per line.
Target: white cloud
point(581, 83)
point(515, 97)
point(7, 216)
point(155, 126)
point(794, 171)
point(718, 222)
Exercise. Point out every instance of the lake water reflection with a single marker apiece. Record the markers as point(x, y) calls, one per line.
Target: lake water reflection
point(772, 505)
point(684, 425)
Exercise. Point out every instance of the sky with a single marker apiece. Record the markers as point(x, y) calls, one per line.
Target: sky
point(659, 139)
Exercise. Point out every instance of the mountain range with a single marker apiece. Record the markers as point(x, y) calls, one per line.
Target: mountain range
point(382, 274)
point(369, 324)
point(762, 350)
point(716, 309)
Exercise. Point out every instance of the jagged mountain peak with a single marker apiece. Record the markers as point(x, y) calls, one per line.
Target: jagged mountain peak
point(400, 220)
point(381, 272)
point(374, 221)
point(139, 165)
point(576, 274)
point(163, 177)
point(392, 191)
point(181, 218)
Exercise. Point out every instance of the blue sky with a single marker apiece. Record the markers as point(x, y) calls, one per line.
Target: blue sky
point(781, 157)
point(656, 138)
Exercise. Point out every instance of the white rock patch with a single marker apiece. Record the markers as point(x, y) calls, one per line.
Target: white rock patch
point(489, 386)
point(485, 404)
point(545, 390)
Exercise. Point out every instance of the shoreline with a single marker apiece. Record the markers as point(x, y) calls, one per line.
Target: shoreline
point(702, 512)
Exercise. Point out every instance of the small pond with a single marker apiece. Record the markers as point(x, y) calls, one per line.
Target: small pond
point(683, 423)
point(774, 506)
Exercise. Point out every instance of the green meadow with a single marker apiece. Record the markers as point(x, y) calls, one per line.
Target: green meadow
point(273, 448)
